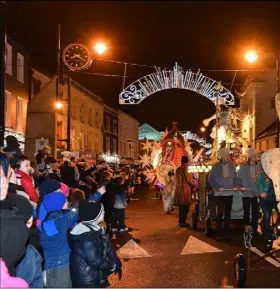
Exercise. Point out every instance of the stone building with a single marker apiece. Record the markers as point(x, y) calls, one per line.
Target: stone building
point(46, 122)
point(128, 138)
point(257, 105)
point(17, 91)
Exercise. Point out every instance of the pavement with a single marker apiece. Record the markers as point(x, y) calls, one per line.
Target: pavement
point(156, 253)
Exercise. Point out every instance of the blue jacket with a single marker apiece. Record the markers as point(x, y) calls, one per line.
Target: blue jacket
point(120, 200)
point(55, 247)
point(217, 180)
point(30, 268)
point(92, 259)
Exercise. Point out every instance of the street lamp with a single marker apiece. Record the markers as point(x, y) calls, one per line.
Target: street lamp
point(251, 56)
point(202, 129)
point(58, 105)
point(100, 48)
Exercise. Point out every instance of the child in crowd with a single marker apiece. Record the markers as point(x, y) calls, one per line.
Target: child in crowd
point(54, 219)
point(119, 207)
point(75, 197)
point(26, 185)
point(92, 258)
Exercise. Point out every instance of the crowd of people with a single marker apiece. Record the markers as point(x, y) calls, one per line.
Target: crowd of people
point(57, 220)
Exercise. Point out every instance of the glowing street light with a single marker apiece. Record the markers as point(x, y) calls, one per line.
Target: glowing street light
point(100, 48)
point(251, 56)
point(58, 105)
point(202, 129)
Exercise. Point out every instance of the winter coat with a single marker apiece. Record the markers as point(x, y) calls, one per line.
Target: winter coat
point(247, 181)
point(13, 238)
point(91, 258)
point(218, 179)
point(26, 186)
point(69, 175)
point(183, 186)
point(55, 246)
point(30, 268)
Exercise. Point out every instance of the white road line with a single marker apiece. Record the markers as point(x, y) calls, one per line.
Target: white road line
point(268, 259)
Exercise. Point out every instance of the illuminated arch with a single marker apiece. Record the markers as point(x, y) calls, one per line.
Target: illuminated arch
point(164, 79)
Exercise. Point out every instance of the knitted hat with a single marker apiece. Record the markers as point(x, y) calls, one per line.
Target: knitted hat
point(20, 205)
point(51, 202)
point(90, 211)
point(54, 201)
point(94, 197)
point(48, 186)
point(224, 152)
point(251, 152)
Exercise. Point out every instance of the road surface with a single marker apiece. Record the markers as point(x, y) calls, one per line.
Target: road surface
point(157, 253)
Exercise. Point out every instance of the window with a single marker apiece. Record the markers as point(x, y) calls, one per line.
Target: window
point(7, 111)
point(73, 109)
point(114, 146)
point(90, 117)
point(20, 123)
point(129, 150)
point(86, 141)
point(120, 148)
point(82, 113)
point(9, 59)
point(108, 145)
point(81, 140)
point(107, 127)
point(20, 68)
point(96, 119)
point(115, 128)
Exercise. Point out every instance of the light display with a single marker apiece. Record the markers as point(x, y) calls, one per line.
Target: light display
point(164, 79)
point(111, 158)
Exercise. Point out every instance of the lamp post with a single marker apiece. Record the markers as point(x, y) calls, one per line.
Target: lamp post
point(76, 57)
point(251, 57)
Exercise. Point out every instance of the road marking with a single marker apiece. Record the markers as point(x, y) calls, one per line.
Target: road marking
point(195, 246)
point(132, 250)
point(134, 199)
point(154, 199)
point(268, 259)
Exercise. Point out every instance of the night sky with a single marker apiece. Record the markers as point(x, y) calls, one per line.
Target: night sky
point(205, 35)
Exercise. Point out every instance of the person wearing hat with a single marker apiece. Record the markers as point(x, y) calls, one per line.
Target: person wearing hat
point(21, 258)
point(92, 258)
point(223, 180)
point(248, 174)
point(53, 220)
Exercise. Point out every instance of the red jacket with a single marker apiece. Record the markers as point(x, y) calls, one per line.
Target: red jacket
point(27, 184)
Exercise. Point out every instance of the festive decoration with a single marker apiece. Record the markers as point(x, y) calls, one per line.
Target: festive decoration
point(147, 146)
point(177, 78)
point(111, 158)
point(145, 160)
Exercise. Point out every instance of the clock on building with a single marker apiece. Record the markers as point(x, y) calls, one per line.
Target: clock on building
point(76, 56)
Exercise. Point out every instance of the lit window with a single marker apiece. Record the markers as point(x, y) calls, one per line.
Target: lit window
point(7, 111)
point(9, 59)
point(90, 117)
point(20, 68)
point(19, 114)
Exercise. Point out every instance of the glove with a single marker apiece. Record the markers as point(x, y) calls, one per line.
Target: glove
point(102, 190)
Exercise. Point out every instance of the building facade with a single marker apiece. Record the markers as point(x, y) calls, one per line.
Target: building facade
point(267, 138)
point(110, 131)
point(17, 91)
point(47, 122)
point(257, 105)
point(128, 138)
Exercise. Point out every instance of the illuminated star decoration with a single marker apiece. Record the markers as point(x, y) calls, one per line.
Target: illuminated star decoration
point(149, 176)
point(147, 146)
point(145, 160)
point(156, 146)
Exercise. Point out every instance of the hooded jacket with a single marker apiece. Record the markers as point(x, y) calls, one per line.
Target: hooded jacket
point(92, 258)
